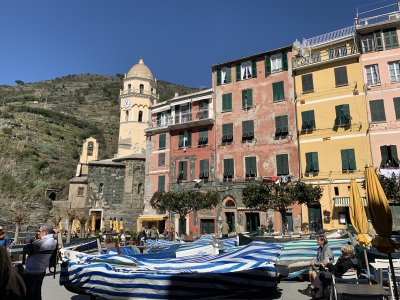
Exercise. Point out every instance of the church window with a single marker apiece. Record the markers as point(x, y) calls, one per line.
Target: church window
point(101, 188)
point(129, 86)
point(126, 116)
point(141, 87)
point(90, 149)
point(152, 90)
point(139, 188)
point(140, 118)
point(81, 190)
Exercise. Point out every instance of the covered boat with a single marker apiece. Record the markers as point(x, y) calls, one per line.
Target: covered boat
point(250, 268)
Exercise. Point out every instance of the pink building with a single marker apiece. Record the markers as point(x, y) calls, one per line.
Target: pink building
point(256, 134)
point(378, 38)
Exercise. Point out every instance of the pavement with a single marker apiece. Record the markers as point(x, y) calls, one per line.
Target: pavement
point(287, 290)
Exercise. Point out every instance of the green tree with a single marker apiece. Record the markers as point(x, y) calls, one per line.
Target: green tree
point(184, 202)
point(279, 197)
point(391, 187)
point(19, 82)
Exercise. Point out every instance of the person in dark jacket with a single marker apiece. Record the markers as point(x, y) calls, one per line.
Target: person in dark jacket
point(12, 287)
point(141, 238)
point(347, 261)
point(4, 240)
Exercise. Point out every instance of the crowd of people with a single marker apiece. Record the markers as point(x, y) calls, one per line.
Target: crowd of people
point(26, 283)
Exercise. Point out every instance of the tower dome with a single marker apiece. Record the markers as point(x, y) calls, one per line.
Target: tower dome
point(140, 70)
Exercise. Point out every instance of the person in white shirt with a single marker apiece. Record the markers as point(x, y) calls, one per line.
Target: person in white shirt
point(37, 261)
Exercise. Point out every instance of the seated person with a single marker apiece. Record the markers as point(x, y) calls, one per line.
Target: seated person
point(347, 261)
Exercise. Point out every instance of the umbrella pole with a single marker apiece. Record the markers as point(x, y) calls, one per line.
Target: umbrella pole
point(367, 264)
point(396, 292)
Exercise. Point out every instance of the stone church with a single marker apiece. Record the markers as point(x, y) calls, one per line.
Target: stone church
point(113, 189)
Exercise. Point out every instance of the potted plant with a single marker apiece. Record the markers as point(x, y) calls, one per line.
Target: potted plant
point(327, 216)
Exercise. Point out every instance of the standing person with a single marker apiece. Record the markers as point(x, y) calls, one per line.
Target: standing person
point(4, 239)
point(140, 239)
point(154, 233)
point(323, 257)
point(224, 229)
point(12, 287)
point(39, 253)
point(123, 239)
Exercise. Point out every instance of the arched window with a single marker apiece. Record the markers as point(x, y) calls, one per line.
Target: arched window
point(90, 149)
point(129, 86)
point(141, 88)
point(230, 203)
point(140, 117)
point(127, 116)
point(139, 188)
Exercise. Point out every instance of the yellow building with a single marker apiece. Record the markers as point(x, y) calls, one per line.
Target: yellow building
point(138, 94)
point(332, 123)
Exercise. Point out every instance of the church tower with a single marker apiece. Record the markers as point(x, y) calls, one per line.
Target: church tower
point(138, 94)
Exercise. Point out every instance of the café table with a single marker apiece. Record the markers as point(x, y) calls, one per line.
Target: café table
point(379, 266)
point(363, 291)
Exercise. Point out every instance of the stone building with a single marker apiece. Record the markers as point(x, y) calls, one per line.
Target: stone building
point(112, 189)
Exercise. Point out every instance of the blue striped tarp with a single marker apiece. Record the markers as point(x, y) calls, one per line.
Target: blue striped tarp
point(122, 277)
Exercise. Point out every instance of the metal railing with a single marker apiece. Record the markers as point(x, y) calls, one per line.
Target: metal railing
point(181, 118)
point(330, 36)
point(324, 56)
point(137, 91)
point(391, 16)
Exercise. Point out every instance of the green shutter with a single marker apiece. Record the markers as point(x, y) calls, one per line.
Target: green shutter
point(345, 160)
point(378, 40)
point(226, 167)
point(237, 72)
point(231, 167)
point(384, 155)
point(161, 184)
point(284, 61)
point(304, 120)
point(218, 76)
point(393, 153)
point(201, 169)
point(267, 65)
point(189, 139)
point(247, 165)
point(346, 114)
point(309, 163)
point(396, 102)
point(278, 91)
point(227, 102)
point(341, 76)
point(245, 129)
point(285, 164)
point(253, 68)
point(359, 43)
point(244, 96)
point(180, 145)
point(184, 170)
point(315, 164)
point(388, 40)
point(228, 74)
point(279, 165)
point(162, 141)
point(205, 168)
point(377, 108)
point(339, 115)
point(250, 127)
point(352, 159)
point(278, 125)
point(285, 124)
point(253, 166)
point(307, 83)
point(249, 98)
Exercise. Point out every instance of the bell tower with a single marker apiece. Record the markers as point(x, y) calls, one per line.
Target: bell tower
point(138, 94)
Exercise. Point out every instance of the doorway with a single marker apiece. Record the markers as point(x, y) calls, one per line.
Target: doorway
point(314, 217)
point(252, 221)
point(207, 226)
point(289, 219)
point(230, 219)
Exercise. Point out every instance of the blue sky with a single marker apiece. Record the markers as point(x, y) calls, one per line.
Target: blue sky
point(179, 40)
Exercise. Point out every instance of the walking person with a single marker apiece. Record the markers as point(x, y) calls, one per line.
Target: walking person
point(37, 261)
point(154, 233)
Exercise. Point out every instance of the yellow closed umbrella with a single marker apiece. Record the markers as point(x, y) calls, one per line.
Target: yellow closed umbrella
point(93, 223)
point(358, 219)
point(115, 227)
point(102, 226)
point(381, 218)
point(111, 223)
point(60, 227)
point(121, 225)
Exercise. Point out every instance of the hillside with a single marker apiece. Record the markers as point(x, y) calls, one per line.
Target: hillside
point(42, 127)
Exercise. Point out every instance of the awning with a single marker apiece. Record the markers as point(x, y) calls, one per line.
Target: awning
point(344, 201)
point(152, 218)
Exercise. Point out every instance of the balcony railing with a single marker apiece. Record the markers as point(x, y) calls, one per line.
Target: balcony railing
point(391, 16)
point(182, 118)
point(137, 91)
point(325, 56)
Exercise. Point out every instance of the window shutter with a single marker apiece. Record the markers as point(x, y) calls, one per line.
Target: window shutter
point(341, 76)
point(253, 68)
point(384, 156)
point(161, 184)
point(205, 168)
point(180, 145)
point(345, 160)
point(278, 125)
point(311, 118)
point(307, 83)
point(253, 166)
point(237, 72)
point(279, 166)
point(161, 141)
point(218, 76)
point(278, 91)
point(285, 164)
point(267, 65)
point(250, 127)
point(396, 102)
point(248, 166)
point(395, 42)
point(284, 61)
point(309, 163)
point(388, 43)
point(228, 74)
point(339, 115)
point(304, 120)
point(244, 102)
point(245, 129)
point(180, 170)
point(352, 159)
point(377, 108)
point(249, 98)
point(189, 139)
point(201, 169)
point(184, 169)
point(231, 167)
point(315, 165)
point(378, 40)
point(395, 158)
point(226, 167)
point(285, 124)
point(359, 43)
point(346, 114)
point(229, 104)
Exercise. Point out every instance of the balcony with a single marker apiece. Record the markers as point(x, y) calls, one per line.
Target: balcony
point(136, 92)
point(189, 119)
point(325, 56)
point(368, 22)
